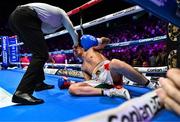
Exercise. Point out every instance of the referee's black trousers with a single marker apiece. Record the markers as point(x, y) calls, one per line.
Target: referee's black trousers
point(25, 23)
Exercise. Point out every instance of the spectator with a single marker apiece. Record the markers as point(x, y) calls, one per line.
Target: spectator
point(25, 61)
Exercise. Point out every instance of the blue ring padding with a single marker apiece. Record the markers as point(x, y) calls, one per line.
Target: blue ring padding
point(137, 91)
point(60, 105)
point(76, 79)
point(23, 71)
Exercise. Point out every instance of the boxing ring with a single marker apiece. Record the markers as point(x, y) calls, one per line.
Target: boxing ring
point(59, 104)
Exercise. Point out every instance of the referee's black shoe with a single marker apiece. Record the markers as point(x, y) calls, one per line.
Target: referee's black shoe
point(43, 86)
point(25, 99)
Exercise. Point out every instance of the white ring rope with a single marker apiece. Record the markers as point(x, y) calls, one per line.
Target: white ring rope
point(115, 15)
point(136, 42)
point(162, 69)
point(18, 44)
point(53, 64)
point(113, 45)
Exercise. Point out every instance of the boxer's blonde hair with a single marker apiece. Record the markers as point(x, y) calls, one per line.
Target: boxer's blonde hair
point(105, 40)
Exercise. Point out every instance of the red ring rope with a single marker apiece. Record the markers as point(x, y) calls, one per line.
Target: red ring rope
point(84, 6)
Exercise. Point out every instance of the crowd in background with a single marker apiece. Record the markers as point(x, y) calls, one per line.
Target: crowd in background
point(140, 55)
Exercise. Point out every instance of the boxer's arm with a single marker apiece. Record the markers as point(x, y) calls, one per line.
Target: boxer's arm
point(102, 42)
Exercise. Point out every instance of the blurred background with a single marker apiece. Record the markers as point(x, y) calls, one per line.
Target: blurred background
point(136, 26)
